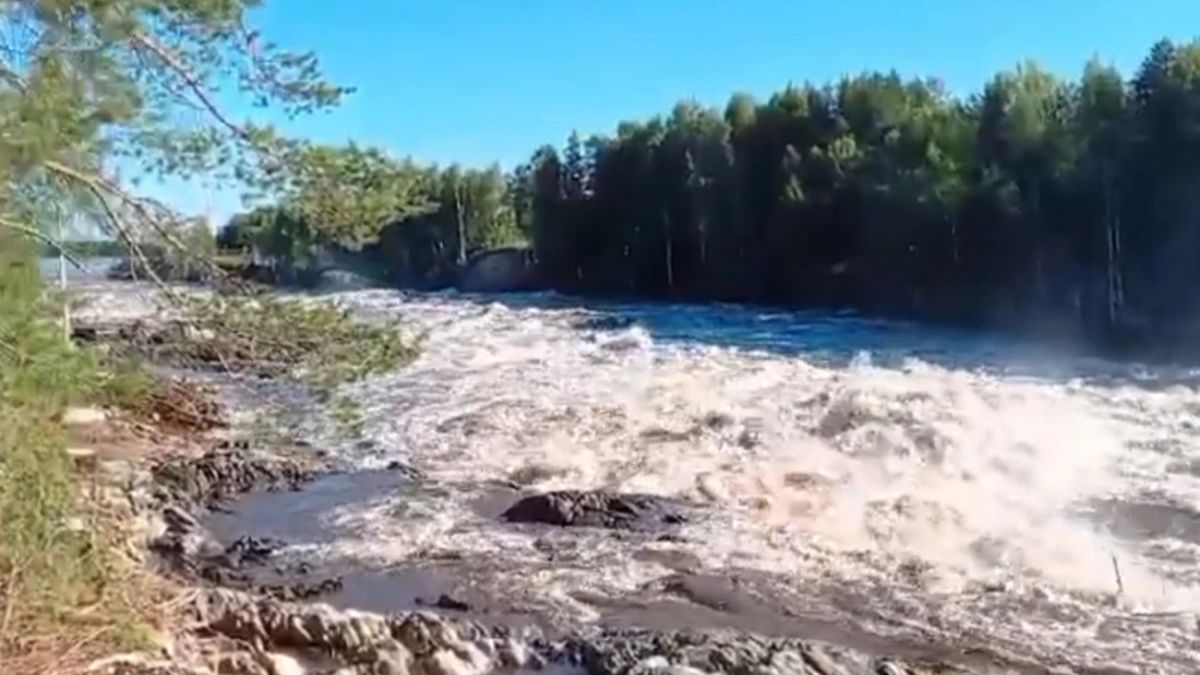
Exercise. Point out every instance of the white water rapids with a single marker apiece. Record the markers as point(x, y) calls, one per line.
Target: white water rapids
point(909, 482)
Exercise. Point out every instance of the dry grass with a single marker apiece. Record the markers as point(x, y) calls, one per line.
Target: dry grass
point(73, 587)
point(129, 610)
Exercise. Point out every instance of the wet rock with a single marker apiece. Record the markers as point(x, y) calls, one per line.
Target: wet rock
point(217, 476)
point(283, 664)
point(302, 590)
point(602, 322)
point(749, 439)
point(625, 342)
point(362, 642)
point(446, 602)
point(622, 652)
point(660, 435)
point(241, 663)
point(533, 473)
point(680, 561)
point(184, 540)
point(891, 668)
point(512, 654)
point(717, 420)
point(218, 574)
point(249, 550)
point(571, 508)
point(187, 546)
point(709, 590)
point(405, 469)
point(388, 662)
point(129, 664)
point(657, 665)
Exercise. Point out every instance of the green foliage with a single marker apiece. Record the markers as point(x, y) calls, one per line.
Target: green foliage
point(82, 82)
point(238, 233)
point(488, 216)
point(124, 385)
point(315, 342)
point(39, 370)
point(421, 221)
point(348, 194)
point(279, 234)
point(184, 252)
point(1036, 199)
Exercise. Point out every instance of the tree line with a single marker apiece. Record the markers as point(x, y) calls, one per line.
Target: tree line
point(1037, 200)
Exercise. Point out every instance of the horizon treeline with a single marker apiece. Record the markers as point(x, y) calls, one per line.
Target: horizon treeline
point(1038, 201)
point(1035, 199)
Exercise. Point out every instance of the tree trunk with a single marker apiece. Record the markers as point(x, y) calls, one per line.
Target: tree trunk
point(1112, 231)
point(954, 240)
point(461, 255)
point(668, 252)
point(1038, 252)
point(62, 279)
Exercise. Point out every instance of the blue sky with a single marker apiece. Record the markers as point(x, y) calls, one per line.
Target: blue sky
point(477, 81)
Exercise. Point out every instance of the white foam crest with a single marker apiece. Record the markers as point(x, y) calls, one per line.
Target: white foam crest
point(975, 473)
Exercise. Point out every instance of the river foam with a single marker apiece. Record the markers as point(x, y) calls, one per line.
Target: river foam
point(911, 482)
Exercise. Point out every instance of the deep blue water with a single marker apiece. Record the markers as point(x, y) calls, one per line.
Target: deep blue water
point(837, 338)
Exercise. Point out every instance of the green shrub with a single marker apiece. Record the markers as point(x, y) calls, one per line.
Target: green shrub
point(318, 343)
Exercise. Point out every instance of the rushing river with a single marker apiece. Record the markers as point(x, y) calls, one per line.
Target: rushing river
point(891, 482)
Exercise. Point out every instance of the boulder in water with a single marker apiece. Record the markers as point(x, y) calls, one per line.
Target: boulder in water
point(505, 269)
point(602, 322)
point(574, 508)
point(218, 475)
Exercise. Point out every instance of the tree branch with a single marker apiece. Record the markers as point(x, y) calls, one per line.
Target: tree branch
point(161, 80)
point(172, 61)
point(122, 230)
point(44, 238)
point(102, 188)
